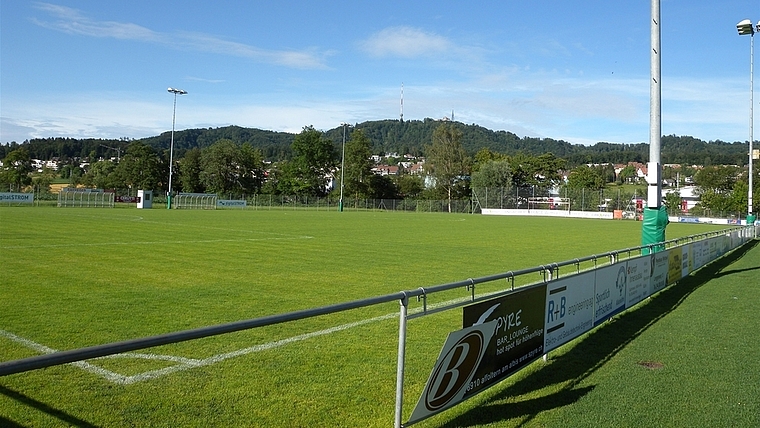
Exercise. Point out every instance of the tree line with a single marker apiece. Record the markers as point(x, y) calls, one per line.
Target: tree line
point(403, 137)
point(310, 164)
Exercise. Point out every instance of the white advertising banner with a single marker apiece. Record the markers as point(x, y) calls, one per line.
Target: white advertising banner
point(700, 251)
point(639, 275)
point(234, 203)
point(16, 198)
point(715, 248)
point(569, 309)
point(609, 295)
point(659, 278)
point(686, 260)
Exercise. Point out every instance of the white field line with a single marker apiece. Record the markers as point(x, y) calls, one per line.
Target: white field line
point(203, 241)
point(189, 363)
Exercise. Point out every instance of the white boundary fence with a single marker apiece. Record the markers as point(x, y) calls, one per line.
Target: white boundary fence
point(504, 331)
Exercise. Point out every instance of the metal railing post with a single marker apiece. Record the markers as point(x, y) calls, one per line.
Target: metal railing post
point(404, 303)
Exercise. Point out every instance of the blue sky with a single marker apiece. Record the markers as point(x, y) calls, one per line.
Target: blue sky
point(571, 70)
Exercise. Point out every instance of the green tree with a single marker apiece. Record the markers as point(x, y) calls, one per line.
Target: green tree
point(586, 177)
point(44, 179)
point(672, 201)
point(229, 169)
point(717, 178)
point(72, 172)
point(528, 170)
point(142, 168)
point(448, 162)
point(358, 165)
point(627, 174)
point(409, 185)
point(16, 168)
point(382, 187)
point(492, 174)
point(101, 175)
point(314, 157)
point(190, 172)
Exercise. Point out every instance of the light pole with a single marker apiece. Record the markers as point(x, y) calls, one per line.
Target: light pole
point(342, 164)
point(745, 27)
point(171, 146)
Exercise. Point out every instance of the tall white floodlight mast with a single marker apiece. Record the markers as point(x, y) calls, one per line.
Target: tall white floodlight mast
point(745, 28)
point(171, 146)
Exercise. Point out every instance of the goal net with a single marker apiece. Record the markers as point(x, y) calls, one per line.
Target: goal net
point(86, 198)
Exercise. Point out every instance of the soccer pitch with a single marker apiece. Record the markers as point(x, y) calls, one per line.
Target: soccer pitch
point(80, 277)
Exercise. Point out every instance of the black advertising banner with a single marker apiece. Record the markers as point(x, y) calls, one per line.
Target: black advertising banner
point(517, 340)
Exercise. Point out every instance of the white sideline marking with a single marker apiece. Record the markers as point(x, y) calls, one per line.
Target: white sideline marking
point(203, 241)
point(189, 363)
point(182, 363)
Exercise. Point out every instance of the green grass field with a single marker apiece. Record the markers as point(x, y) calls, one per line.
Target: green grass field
point(81, 277)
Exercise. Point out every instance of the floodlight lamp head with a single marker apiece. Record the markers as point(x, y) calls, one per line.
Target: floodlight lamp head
point(745, 27)
point(177, 91)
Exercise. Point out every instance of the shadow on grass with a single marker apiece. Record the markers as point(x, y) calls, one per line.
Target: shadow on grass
point(67, 419)
point(592, 352)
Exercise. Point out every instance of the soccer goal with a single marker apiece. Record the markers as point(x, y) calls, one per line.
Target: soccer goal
point(85, 198)
point(190, 201)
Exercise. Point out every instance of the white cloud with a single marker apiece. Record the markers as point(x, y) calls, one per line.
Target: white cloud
point(71, 21)
point(405, 42)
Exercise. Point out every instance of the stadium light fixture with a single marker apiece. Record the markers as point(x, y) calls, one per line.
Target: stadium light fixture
point(171, 146)
point(746, 28)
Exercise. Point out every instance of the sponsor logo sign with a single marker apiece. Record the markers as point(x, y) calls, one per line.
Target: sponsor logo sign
point(610, 293)
point(686, 261)
point(569, 309)
point(639, 276)
point(674, 265)
point(230, 203)
point(659, 271)
point(127, 199)
point(512, 333)
point(454, 370)
point(16, 198)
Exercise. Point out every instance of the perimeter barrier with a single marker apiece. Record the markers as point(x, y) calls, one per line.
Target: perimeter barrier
point(503, 331)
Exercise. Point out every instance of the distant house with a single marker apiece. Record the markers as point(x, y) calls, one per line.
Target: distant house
point(417, 168)
point(385, 170)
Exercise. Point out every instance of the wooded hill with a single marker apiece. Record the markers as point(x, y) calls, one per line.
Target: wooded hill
point(407, 137)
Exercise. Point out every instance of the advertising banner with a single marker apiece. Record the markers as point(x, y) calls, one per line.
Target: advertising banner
point(127, 199)
point(659, 272)
point(454, 370)
point(16, 198)
point(569, 309)
point(700, 251)
point(609, 295)
point(235, 203)
point(686, 261)
point(519, 335)
point(715, 248)
point(674, 265)
point(639, 277)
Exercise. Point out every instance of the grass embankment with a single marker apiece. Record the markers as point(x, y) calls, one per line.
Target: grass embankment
point(685, 358)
